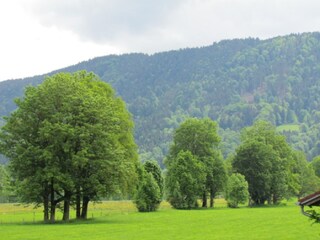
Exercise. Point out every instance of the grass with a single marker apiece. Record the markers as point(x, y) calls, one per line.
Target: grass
point(289, 127)
point(120, 220)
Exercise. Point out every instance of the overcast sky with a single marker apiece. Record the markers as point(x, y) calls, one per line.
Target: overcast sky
point(38, 36)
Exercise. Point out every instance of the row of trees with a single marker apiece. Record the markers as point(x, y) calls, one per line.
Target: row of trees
point(263, 169)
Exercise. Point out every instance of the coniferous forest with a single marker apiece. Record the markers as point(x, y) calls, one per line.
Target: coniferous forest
point(234, 82)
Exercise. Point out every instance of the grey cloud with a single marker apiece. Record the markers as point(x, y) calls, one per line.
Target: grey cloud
point(104, 21)
point(153, 25)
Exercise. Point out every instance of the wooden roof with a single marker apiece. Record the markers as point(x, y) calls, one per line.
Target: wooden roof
point(310, 200)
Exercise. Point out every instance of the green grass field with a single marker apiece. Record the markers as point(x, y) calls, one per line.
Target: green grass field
point(120, 220)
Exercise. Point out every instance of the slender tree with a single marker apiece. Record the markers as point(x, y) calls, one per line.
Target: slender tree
point(185, 180)
point(154, 168)
point(148, 196)
point(200, 138)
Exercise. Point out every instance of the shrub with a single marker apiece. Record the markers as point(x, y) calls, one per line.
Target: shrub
point(237, 190)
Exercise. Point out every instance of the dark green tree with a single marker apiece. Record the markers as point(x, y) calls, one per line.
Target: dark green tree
point(184, 180)
point(253, 160)
point(200, 138)
point(267, 162)
point(148, 196)
point(154, 168)
point(309, 182)
point(216, 177)
point(70, 140)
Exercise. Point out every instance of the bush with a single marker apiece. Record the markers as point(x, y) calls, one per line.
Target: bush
point(237, 190)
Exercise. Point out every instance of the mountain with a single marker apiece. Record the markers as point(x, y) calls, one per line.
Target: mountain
point(234, 82)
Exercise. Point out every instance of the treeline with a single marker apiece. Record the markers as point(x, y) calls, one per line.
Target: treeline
point(234, 82)
point(263, 170)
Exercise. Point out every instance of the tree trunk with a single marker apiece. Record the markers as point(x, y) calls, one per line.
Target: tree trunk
point(52, 204)
point(46, 193)
point(85, 202)
point(78, 205)
point(269, 200)
point(212, 195)
point(53, 213)
point(204, 199)
point(66, 206)
point(275, 199)
point(45, 207)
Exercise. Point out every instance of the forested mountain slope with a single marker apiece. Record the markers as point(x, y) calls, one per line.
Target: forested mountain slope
point(234, 82)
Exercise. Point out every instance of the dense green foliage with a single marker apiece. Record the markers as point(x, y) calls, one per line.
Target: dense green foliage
point(148, 197)
point(154, 168)
point(267, 162)
point(308, 181)
point(150, 187)
point(5, 188)
point(184, 180)
point(237, 190)
point(70, 141)
point(234, 82)
point(200, 138)
point(315, 164)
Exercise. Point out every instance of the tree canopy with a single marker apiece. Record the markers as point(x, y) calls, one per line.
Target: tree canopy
point(70, 140)
point(237, 190)
point(199, 137)
point(267, 162)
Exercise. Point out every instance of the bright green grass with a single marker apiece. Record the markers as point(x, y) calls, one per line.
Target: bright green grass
point(119, 220)
point(289, 127)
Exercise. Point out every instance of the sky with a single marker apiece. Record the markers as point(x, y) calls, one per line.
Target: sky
point(39, 36)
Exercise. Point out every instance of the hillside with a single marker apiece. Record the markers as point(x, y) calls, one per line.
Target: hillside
point(234, 82)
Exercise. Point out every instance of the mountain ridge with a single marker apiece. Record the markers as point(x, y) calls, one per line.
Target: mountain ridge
point(234, 82)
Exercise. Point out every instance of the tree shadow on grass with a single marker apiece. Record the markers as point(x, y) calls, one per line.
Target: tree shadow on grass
point(72, 222)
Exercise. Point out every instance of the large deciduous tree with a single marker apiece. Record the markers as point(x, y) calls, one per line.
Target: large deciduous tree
point(199, 137)
point(70, 140)
point(267, 162)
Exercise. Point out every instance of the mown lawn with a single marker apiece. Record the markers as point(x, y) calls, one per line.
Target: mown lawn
point(119, 220)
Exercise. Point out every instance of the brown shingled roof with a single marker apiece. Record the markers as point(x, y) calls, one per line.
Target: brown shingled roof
point(310, 200)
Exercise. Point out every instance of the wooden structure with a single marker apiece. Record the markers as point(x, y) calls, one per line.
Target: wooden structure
point(310, 201)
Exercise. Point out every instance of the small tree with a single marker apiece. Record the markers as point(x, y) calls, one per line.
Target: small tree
point(216, 177)
point(154, 168)
point(237, 190)
point(185, 181)
point(148, 195)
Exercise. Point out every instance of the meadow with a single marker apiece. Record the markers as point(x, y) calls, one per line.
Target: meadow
point(120, 220)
